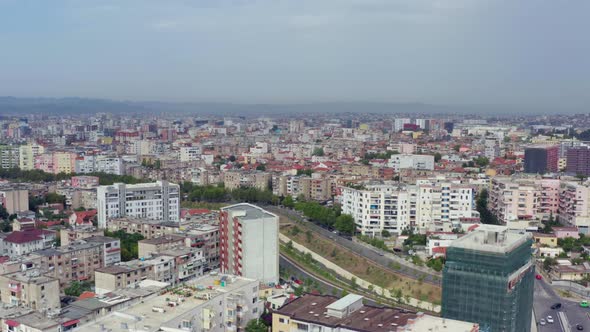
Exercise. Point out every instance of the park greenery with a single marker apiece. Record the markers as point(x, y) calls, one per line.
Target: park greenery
point(38, 176)
point(330, 217)
point(485, 215)
point(76, 288)
point(129, 243)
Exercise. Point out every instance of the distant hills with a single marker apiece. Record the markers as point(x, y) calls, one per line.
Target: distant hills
point(74, 105)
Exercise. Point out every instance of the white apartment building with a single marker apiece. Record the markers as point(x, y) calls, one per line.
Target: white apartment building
point(442, 205)
point(249, 242)
point(426, 206)
point(411, 161)
point(102, 164)
point(190, 153)
point(574, 205)
point(381, 207)
point(154, 201)
point(491, 148)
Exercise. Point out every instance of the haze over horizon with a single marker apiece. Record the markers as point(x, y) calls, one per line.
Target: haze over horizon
point(525, 53)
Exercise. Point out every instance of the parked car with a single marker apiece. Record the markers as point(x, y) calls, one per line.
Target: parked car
point(539, 277)
point(556, 306)
point(542, 321)
point(584, 304)
point(579, 327)
point(550, 319)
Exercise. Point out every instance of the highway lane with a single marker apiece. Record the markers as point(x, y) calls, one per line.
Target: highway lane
point(544, 297)
point(372, 254)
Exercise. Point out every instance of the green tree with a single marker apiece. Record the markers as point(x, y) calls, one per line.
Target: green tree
point(385, 233)
point(261, 167)
point(77, 287)
point(486, 216)
point(256, 325)
point(457, 147)
point(318, 152)
point(55, 198)
point(549, 262)
point(288, 202)
point(345, 224)
point(3, 213)
point(482, 161)
point(437, 157)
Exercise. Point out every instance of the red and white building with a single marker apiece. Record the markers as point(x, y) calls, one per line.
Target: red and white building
point(249, 242)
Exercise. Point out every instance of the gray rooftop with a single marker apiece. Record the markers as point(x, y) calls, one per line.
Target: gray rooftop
point(344, 302)
point(492, 239)
point(250, 212)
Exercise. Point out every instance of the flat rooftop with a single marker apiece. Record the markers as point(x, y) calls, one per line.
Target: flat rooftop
point(491, 238)
point(142, 317)
point(313, 309)
point(163, 239)
point(250, 212)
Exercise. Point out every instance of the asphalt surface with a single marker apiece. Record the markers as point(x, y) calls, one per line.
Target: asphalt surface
point(544, 297)
point(372, 254)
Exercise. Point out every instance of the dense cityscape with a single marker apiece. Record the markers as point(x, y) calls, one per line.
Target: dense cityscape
point(294, 166)
point(324, 222)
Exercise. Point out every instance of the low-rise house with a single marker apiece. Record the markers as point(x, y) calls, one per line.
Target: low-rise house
point(542, 239)
point(320, 312)
point(563, 232)
point(82, 217)
point(20, 243)
point(550, 252)
point(570, 272)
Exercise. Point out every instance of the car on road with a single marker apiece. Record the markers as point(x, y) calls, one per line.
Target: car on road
point(579, 327)
point(556, 306)
point(539, 277)
point(549, 319)
point(542, 322)
point(584, 304)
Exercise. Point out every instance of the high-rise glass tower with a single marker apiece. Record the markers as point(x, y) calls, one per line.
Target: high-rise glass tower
point(489, 278)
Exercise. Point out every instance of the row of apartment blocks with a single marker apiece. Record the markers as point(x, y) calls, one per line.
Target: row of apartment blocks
point(204, 234)
point(171, 266)
point(429, 205)
point(524, 202)
point(311, 187)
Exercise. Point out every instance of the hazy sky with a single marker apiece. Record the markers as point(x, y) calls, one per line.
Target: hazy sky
point(516, 52)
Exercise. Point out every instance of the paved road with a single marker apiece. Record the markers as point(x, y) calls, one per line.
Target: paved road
point(544, 297)
point(372, 254)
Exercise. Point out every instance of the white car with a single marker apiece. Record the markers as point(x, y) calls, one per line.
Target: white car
point(542, 322)
point(549, 319)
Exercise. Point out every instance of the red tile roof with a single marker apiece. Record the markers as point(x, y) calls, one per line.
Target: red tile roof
point(27, 236)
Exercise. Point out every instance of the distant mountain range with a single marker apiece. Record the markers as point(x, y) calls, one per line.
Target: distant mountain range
point(74, 105)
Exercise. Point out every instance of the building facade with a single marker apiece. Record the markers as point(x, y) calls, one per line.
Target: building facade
point(154, 201)
point(249, 242)
point(541, 160)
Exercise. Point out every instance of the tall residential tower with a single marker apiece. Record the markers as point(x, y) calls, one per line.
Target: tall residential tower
point(489, 279)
